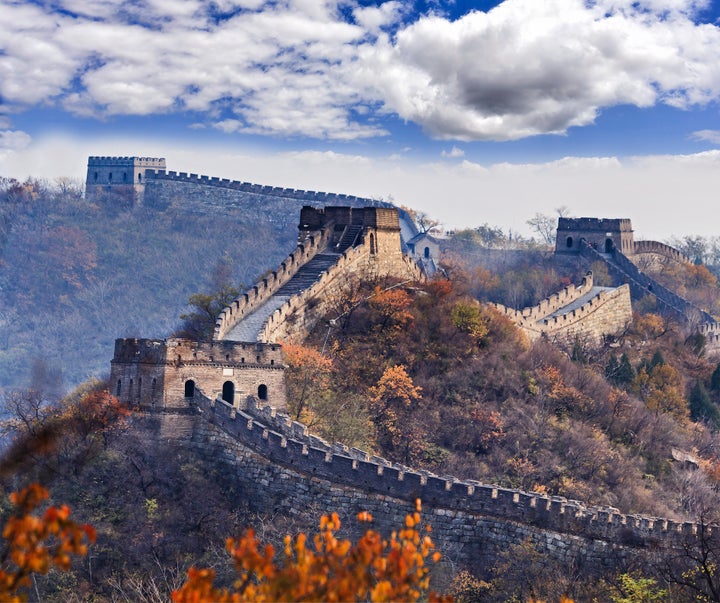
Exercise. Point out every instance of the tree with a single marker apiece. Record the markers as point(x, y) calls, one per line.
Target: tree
point(545, 226)
point(701, 407)
point(659, 388)
point(307, 379)
point(375, 569)
point(392, 400)
point(636, 589)
point(34, 544)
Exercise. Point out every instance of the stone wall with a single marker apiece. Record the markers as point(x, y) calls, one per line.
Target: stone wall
point(293, 320)
point(263, 290)
point(660, 249)
point(288, 471)
point(193, 193)
point(606, 313)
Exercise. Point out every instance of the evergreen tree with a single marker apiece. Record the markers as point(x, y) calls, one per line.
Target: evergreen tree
point(656, 360)
point(612, 368)
point(701, 407)
point(715, 379)
point(625, 372)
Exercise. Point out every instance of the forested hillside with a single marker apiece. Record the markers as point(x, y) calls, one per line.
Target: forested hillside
point(74, 276)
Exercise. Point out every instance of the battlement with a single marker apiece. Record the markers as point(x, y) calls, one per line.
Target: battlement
point(289, 444)
point(661, 249)
point(245, 304)
point(259, 189)
point(100, 161)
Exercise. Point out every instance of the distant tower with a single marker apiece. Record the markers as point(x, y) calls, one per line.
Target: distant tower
point(603, 234)
point(119, 178)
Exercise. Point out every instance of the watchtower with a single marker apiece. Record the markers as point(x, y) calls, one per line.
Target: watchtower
point(119, 177)
point(603, 234)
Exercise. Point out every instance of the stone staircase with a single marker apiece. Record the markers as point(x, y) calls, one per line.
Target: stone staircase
point(249, 328)
point(348, 238)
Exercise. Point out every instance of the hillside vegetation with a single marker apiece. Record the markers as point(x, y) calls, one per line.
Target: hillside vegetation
point(75, 276)
point(452, 386)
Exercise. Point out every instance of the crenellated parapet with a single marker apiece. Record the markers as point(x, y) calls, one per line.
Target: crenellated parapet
point(289, 444)
point(258, 189)
point(531, 315)
point(660, 249)
point(584, 312)
point(245, 304)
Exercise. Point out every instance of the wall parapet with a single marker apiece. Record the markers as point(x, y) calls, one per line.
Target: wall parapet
point(259, 189)
point(272, 328)
point(529, 316)
point(267, 286)
point(657, 248)
point(289, 444)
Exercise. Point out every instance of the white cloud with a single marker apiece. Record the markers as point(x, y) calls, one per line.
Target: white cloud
point(528, 67)
point(453, 153)
point(12, 140)
point(707, 135)
point(319, 69)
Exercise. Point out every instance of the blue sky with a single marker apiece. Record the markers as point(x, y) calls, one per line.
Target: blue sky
point(475, 112)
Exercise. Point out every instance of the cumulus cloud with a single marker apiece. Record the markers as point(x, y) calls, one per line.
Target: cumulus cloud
point(528, 67)
point(453, 153)
point(326, 70)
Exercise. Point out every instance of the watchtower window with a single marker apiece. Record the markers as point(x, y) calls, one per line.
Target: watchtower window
point(110, 177)
point(228, 392)
point(372, 244)
point(95, 176)
point(124, 176)
point(569, 242)
point(609, 245)
point(118, 389)
point(189, 388)
point(426, 253)
point(262, 392)
point(139, 177)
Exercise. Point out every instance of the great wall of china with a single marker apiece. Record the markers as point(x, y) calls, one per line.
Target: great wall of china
point(224, 398)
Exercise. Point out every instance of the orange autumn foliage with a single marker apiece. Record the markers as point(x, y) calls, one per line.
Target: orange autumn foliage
point(374, 569)
point(36, 544)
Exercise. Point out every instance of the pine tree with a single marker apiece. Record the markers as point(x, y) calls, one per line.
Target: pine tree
point(701, 407)
point(612, 369)
point(625, 372)
point(715, 379)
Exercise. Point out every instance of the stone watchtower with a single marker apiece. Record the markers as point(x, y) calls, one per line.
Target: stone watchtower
point(119, 177)
point(602, 234)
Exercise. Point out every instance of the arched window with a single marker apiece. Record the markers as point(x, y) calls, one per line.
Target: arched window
point(228, 393)
point(189, 388)
point(426, 253)
point(152, 389)
point(110, 177)
point(124, 176)
point(139, 177)
point(569, 242)
point(118, 389)
point(372, 244)
point(262, 392)
point(95, 176)
point(609, 245)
